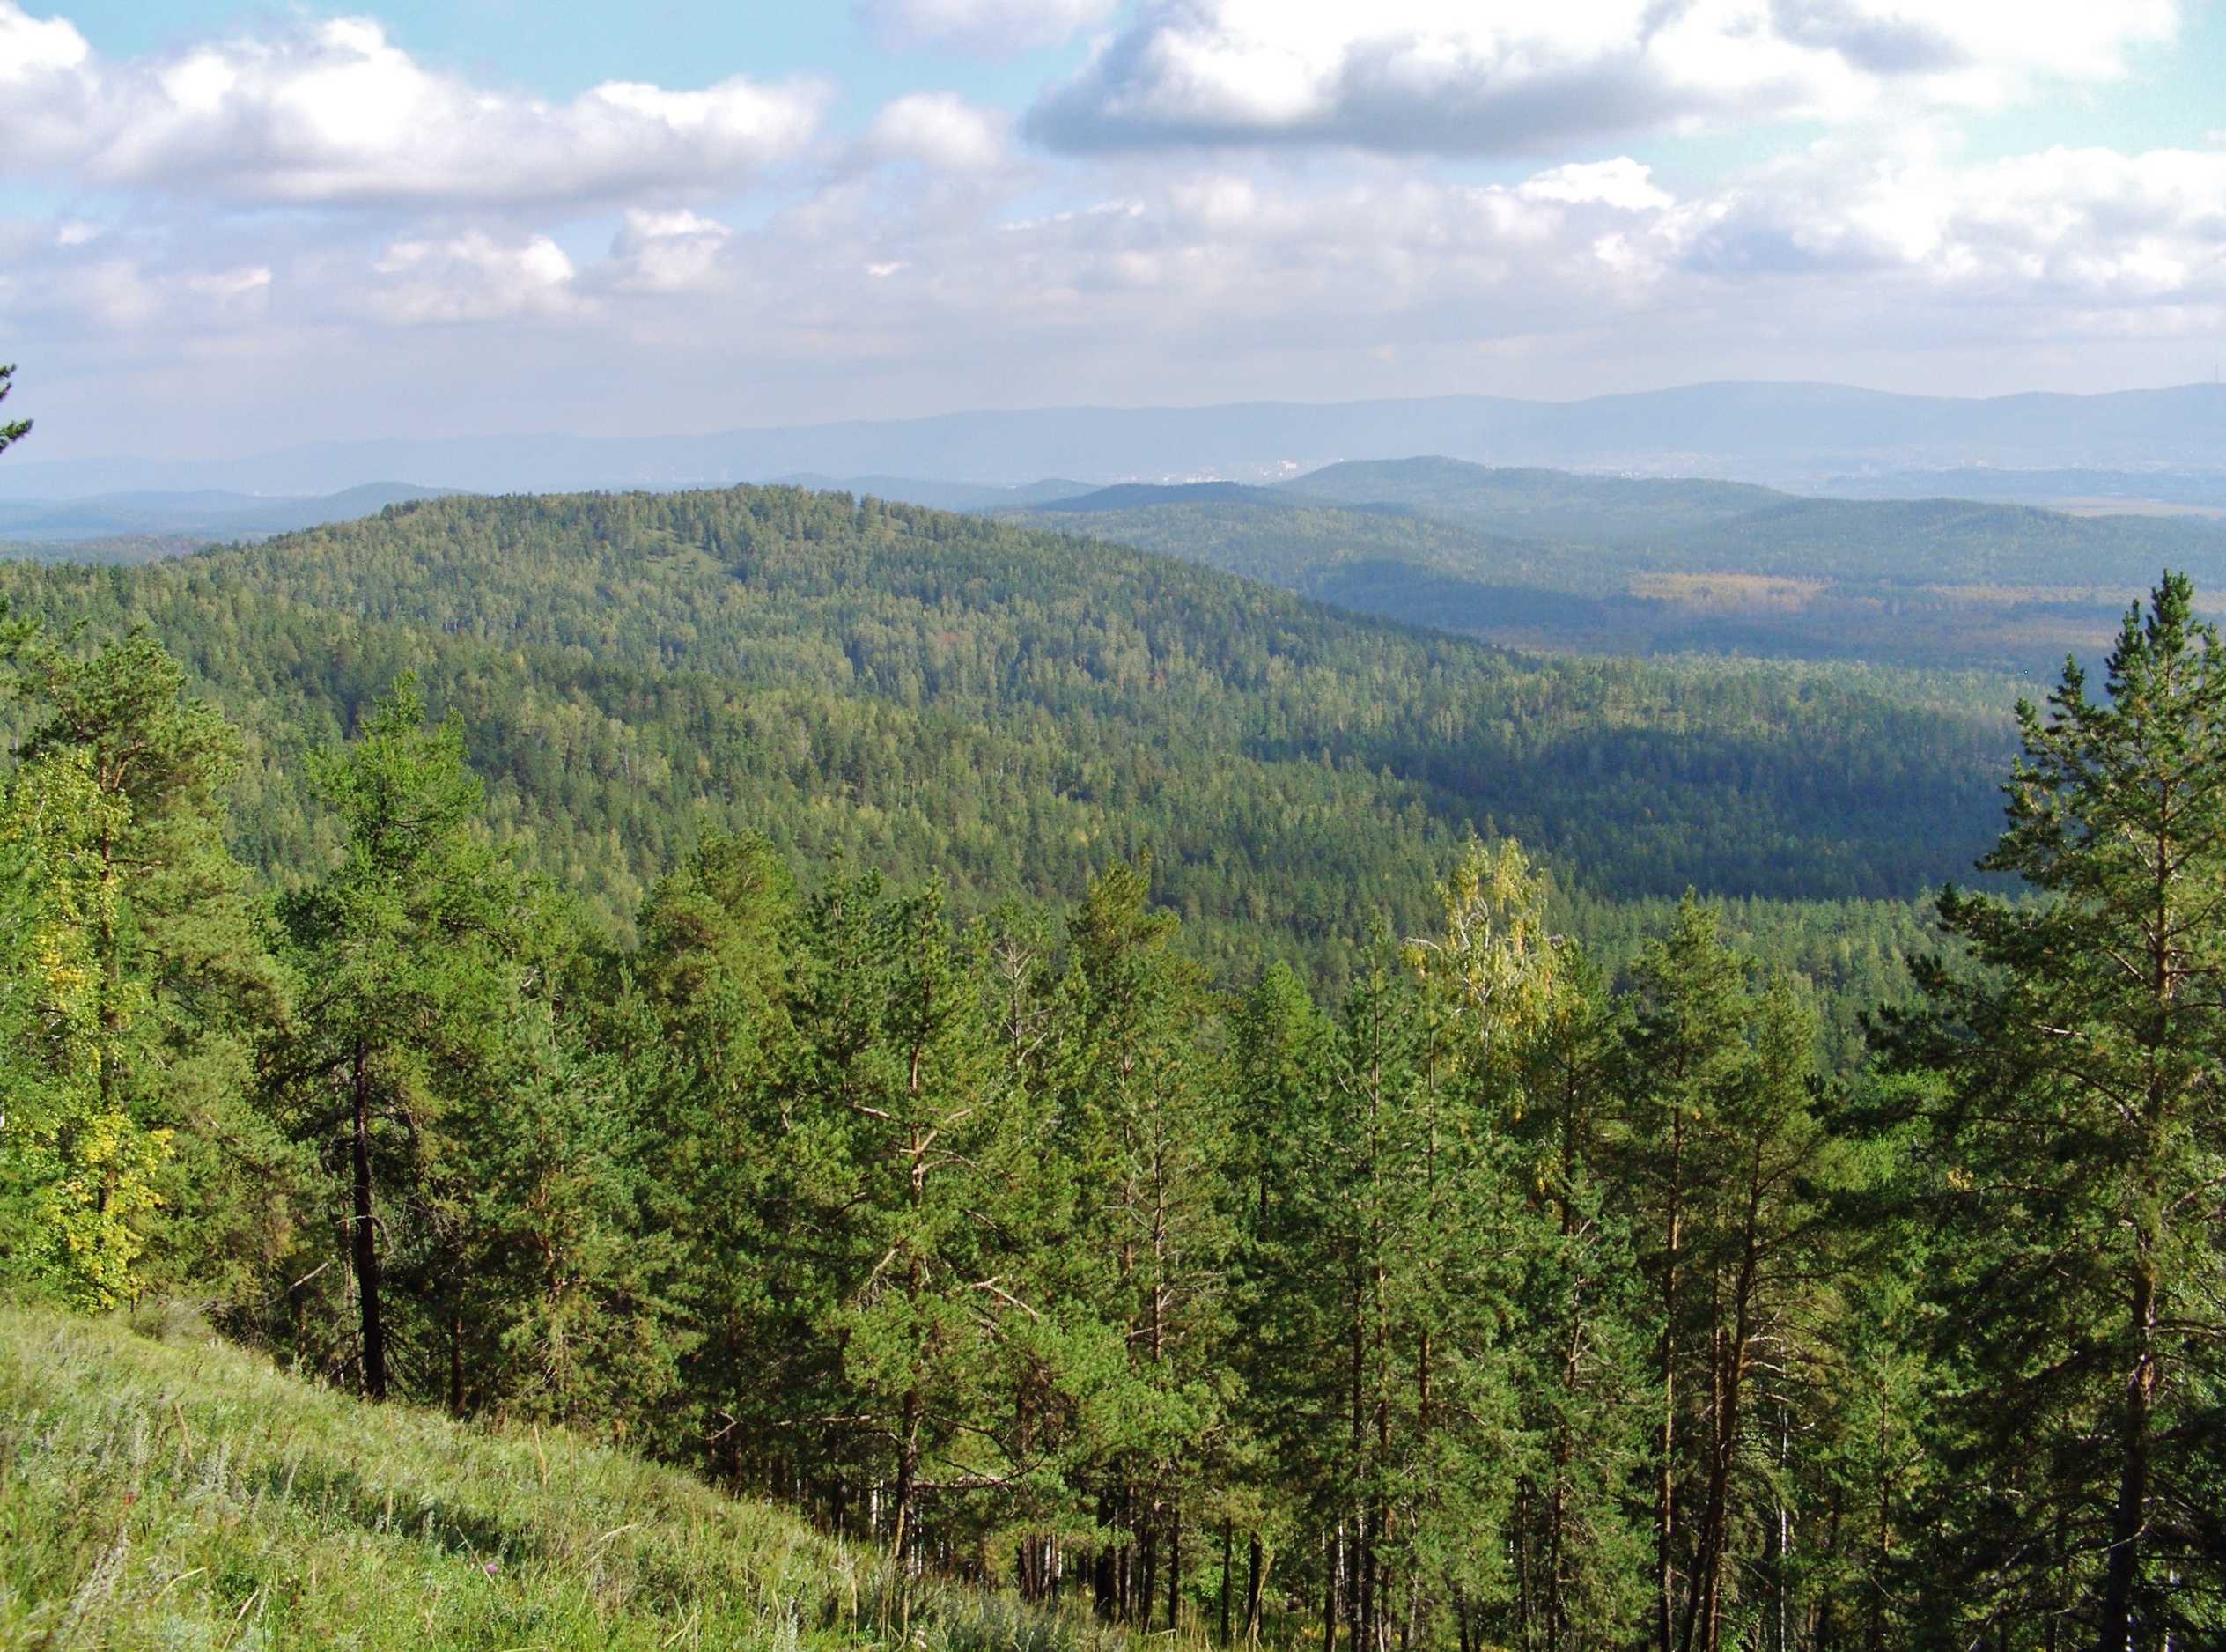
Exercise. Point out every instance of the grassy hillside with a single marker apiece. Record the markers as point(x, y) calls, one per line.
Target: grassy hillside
point(185, 1492)
point(926, 692)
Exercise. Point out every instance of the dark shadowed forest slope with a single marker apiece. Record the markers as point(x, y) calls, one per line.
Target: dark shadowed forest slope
point(928, 692)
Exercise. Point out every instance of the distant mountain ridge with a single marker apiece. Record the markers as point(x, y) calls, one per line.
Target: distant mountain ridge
point(1607, 564)
point(1531, 500)
point(1813, 437)
point(210, 512)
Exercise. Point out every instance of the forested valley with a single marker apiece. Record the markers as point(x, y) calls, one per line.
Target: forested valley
point(1104, 1081)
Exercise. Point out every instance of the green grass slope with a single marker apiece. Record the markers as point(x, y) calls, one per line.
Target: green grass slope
point(185, 1494)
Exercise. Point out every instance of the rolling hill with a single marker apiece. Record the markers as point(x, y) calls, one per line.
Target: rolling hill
point(1605, 564)
point(1012, 709)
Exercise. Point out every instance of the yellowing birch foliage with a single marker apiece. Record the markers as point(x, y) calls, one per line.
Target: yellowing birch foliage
point(82, 1169)
point(1496, 957)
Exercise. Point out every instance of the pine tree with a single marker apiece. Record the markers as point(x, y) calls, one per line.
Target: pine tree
point(406, 955)
point(14, 430)
point(1588, 1397)
point(1285, 1067)
point(1143, 1119)
point(2068, 1079)
point(698, 1016)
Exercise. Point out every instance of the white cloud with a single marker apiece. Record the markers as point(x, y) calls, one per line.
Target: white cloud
point(1621, 182)
point(986, 28)
point(251, 281)
point(334, 113)
point(1473, 77)
point(665, 251)
point(2082, 225)
point(63, 283)
point(471, 278)
point(926, 260)
point(939, 129)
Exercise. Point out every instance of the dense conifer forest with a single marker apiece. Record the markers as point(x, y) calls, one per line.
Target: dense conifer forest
point(1099, 1079)
point(927, 693)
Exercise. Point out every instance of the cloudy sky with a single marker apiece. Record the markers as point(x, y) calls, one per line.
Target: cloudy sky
point(223, 229)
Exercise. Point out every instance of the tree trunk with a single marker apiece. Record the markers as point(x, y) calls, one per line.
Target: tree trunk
point(1665, 1505)
point(1229, 1559)
point(455, 1364)
point(372, 1339)
point(1105, 1583)
point(1147, 1577)
point(1255, 1585)
point(1329, 1597)
point(1704, 1610)
point(2132, 1513)
point(907, 1465)
point(1174, 1568)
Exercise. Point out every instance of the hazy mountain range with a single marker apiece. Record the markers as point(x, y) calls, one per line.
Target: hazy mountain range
point(208, 513)
point(2160, 445)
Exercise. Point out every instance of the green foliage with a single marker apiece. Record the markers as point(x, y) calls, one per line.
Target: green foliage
point(1475, 1286)
point(931, 695)
point(15, 430)
point(1605, 564)
point(1534, 503)
point(2063, 1092)
point(138, 976)
point(431, 1062)
point(1675, 524)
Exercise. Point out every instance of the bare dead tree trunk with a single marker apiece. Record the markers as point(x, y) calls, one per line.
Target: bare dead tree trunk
point(907, 1464)
point(1228, 1558)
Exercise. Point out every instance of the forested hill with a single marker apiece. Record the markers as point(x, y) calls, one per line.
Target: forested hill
point(927, 692)
point(1615, 566)
point(1667, 524)
point(1522, 1293)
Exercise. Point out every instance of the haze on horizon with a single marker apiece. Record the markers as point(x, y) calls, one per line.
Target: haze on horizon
point(224, 231)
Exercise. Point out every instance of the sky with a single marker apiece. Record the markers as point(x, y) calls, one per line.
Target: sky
point(225, 228)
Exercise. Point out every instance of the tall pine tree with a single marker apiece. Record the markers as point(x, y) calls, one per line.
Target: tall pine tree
point(2072, 1164)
